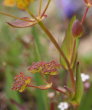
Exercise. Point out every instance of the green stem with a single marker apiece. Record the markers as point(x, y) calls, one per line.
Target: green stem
point(85, 13)
point(60, 51)
point(40, 7)
point(46, 7)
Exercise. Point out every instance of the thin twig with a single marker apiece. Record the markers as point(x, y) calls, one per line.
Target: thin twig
point(46, 7)
point(85, 13)
point(40, 7)
point(12, 16)
point(59, 90)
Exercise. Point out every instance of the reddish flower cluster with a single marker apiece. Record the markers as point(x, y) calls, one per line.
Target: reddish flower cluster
point(36, 67)
point(45, 68)
point(21, 82)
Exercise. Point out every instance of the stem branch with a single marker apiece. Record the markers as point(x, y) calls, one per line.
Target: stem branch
point(46, 7)
point(51, 37)
point(40, 7)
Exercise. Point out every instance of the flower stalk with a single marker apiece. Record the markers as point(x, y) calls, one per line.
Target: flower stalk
point(85, 13)
point(59, 90)
point(46, 7)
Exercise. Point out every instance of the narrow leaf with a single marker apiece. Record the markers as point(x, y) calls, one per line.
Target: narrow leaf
point(69, 45)
point(79, 86)
point(86, 103)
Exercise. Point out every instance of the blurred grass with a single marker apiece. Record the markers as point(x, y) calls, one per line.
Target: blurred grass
point(86, 103)
point(13, 59)
point(41, 96)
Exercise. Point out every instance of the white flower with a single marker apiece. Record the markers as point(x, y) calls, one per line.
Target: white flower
point(84, 77)
point(63, 105)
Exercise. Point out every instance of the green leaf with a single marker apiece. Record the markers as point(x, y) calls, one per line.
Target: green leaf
point(79, 87)
point(86, 103)
point(69, 46)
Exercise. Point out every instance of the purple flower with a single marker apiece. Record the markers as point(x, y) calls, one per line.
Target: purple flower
point(69, 7)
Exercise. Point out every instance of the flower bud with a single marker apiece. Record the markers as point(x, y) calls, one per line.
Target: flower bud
point(77, 28)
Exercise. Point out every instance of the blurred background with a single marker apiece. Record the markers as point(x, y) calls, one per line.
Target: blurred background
point(19, 47)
